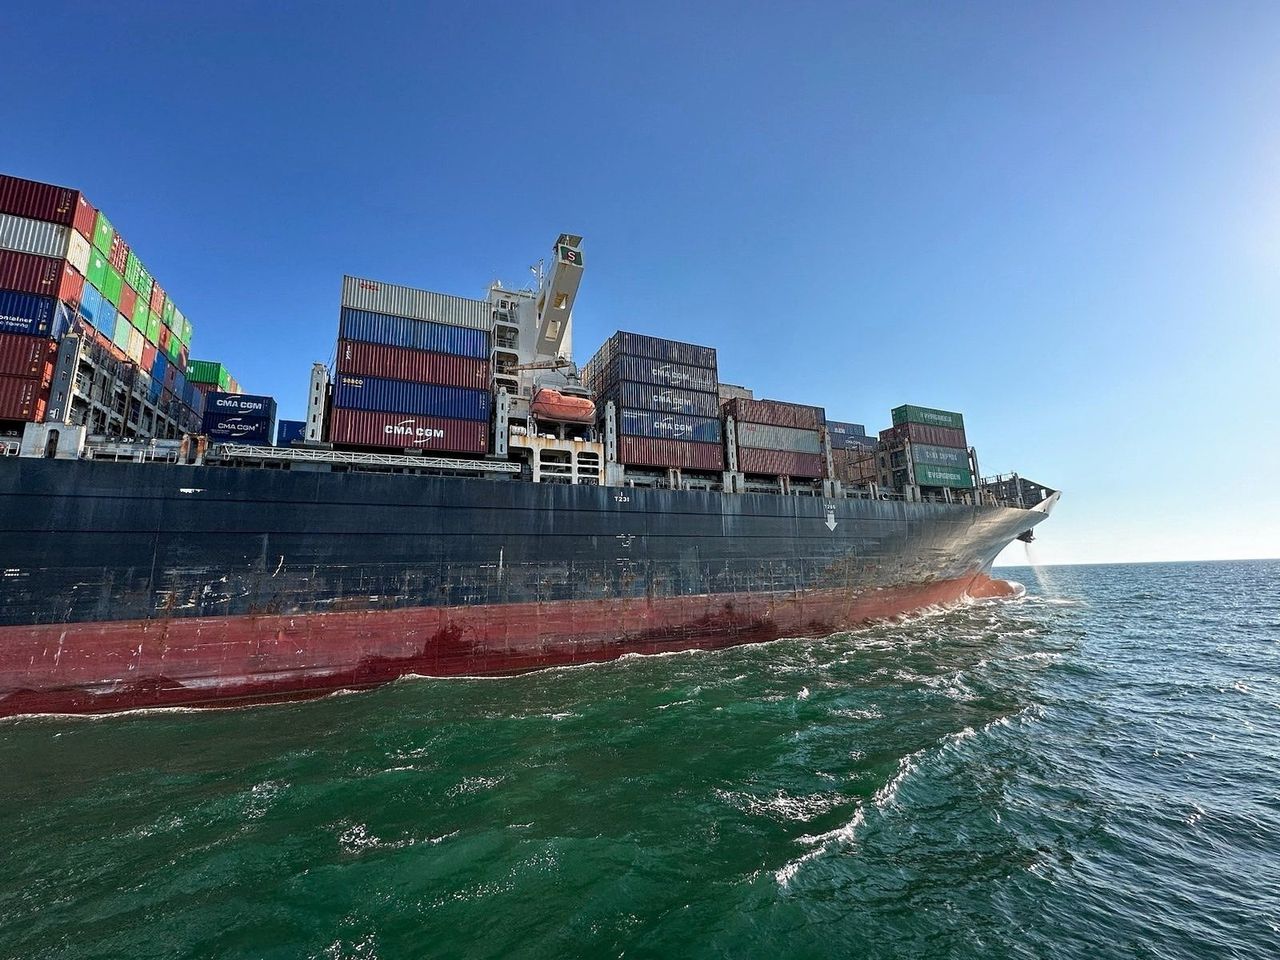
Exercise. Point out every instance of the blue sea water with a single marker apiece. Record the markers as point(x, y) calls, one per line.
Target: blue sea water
point(1092, 771)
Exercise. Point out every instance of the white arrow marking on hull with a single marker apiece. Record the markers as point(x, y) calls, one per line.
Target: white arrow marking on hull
point(831, 520)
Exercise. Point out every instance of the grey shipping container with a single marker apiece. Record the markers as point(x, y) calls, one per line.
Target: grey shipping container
point(647, 396)
point(33, 236)
point(940, 456)
point(390, 298)
point(763, 436)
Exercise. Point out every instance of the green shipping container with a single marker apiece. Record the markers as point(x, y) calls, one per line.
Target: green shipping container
point(121, 337)
point(139, 319)
point(175, 347)
point(205, 371)
point(930, 476)
point(179, 326)
point(131, 267)
point(143, 284)
point(187, 332)
point(112, 285)
point(908, 413)
point(103, 233)
point(167, 315)
point(153, 328)
point(940, 456)
point(97, 272)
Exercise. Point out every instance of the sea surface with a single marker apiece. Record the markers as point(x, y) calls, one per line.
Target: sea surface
point(1092, 771)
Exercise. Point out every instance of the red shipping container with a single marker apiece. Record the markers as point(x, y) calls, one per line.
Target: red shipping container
point(148, 357)
point(85, 217)
point(22, 398)
point(39, 201)
point(30, 357)
point(118, 255)
point(775, 413)
point(128, 300)
point(654, 452)
point(419, 366)
point(926, 433)
point(29, 273)
point(72, 286)
point(778, 463)
point(367, 428)
point(164, 338)
point(157, 299)
point(183, 358)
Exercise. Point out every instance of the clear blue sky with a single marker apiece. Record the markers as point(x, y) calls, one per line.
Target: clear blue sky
point(1061, 219)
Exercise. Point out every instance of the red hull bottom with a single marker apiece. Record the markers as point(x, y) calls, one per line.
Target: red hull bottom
point(231, 661)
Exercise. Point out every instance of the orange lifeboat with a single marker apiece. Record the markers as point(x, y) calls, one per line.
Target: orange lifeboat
point(556, 407)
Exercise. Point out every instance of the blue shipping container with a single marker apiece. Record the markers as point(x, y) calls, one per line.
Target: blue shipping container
point(417, 399)
point(639, 345)
point(241, 404)
point(232, 428)
point(669, 426)
point(91, 304)
point(645, 396)
point(847, 436)
point(288, 431)
point(159, 366)
point(25, 313)
point(156, 388)
point(418, 334)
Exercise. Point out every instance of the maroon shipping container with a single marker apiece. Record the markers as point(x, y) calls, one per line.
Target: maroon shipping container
point(404, 363)
point(29, 273)
point(85, 217)
point(157, 299)
point(654, 452)
point(28, 357)
point(118, 255)
point(367, 428)
point(926, 433)
point(39, 201)
point(22, 398)
point(72, 286)
point(782, 463)
point(775, 413)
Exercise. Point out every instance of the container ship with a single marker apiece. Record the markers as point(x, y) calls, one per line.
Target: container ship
point(460, 500)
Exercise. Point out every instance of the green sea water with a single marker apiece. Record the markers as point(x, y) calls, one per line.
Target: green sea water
point(1091, 771)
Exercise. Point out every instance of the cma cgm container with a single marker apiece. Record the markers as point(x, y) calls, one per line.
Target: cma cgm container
point(418, 366)
point(664, 373)
point(659, 348)
point(909, 413)
point(782, 463)
point(651, 452)
point(242, 404)
point(238, 428)
point(287, 431)
point(923, 433)
point(644, 396)
point(400, 396)
point(372, 327)
point(371, 428)
point(776, 413)
point(394, 300)
point(672, 426)
point(930, 476)
point(23, 356)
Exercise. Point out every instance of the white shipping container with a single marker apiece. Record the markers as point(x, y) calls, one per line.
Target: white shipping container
point(33, 236)
point(761, 436)
point(136, 343)
point(78, 251)
point(397, 301)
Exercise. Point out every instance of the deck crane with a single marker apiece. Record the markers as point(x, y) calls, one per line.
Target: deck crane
point(556, 295)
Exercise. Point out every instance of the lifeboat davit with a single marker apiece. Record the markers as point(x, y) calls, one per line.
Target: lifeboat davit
point(556, 407)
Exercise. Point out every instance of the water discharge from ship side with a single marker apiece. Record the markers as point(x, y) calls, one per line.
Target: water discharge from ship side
point(1041, 572)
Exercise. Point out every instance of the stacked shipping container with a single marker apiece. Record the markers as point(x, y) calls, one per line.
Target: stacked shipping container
point(939, 449)
point(412, 370)
point(667, 398)
point(777, 438)
point(239, 418)
point(63, 266)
